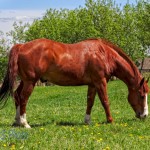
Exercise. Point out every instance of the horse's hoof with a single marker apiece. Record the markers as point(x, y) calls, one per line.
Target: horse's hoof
point(19, 125)
point(87, 119)
point(110, 120)
point(15, 125)
point(27, 126)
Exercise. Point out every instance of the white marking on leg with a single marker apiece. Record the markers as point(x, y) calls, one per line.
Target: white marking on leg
point(87, 119)
point(23, 121)
point(20, 120)
point(145, 112)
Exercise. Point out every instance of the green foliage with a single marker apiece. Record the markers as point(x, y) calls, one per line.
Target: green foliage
point(56, 116)
point(18, 34)
point(143, 23)
point(3, 56)
point(127, 27)
point(3, 63)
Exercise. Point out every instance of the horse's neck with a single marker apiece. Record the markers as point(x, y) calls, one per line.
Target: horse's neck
point(127, 73)
point(123, 67)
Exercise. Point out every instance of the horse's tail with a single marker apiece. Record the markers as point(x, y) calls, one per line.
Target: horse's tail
point(10, 77)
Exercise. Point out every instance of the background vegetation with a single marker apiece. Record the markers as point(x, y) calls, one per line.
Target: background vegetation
point(56, 116)
point(57, 119)
point(126, 26)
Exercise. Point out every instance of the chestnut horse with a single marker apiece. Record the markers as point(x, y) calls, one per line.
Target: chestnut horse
point(91, 62)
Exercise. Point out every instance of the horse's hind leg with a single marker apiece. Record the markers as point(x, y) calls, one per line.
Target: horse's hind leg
point(17, 103)
point(90, 101)
point(21, 97)
point(25, 93)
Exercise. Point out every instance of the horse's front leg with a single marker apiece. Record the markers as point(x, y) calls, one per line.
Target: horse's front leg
point(102, 93)
point(90, 101)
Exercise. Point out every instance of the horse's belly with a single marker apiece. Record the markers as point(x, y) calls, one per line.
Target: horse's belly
point(67, 79)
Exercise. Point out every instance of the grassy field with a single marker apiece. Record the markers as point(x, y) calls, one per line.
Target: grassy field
point(56, 116)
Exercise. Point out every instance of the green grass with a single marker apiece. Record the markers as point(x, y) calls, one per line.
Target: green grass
point(56, 116)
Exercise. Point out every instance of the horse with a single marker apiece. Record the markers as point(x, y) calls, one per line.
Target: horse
point(91, 62)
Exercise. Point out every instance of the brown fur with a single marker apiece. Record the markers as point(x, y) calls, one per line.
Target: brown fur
point(91, 62)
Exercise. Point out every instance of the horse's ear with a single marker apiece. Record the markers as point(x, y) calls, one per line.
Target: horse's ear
point(142, 82)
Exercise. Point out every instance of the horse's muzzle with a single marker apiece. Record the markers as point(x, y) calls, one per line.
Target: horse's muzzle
point(141, 116)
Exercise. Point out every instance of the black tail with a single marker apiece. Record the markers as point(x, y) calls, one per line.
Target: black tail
point(11, 74)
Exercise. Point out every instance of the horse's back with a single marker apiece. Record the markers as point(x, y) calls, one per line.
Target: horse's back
point(65, 64)
point(54, 61)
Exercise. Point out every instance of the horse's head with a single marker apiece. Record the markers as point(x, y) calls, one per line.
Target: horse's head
point(138, 99)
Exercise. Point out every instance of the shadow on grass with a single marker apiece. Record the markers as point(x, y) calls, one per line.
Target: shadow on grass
point(67, 123)
point(5, 125)
point(41, 124)
point(63, 123)
point(57, 123)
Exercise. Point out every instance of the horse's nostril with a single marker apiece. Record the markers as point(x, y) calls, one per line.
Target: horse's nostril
point(138, 115)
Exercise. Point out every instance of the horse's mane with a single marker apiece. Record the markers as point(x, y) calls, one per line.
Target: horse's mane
point(123, 55)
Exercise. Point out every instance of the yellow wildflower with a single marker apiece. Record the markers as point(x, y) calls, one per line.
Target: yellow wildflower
point(97, 125)
point(141, 137)
point(100, 140)
point(12, 147)
point(130, 134)
point(107, 148)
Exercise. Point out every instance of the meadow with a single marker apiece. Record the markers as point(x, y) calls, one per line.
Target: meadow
point(56, 115)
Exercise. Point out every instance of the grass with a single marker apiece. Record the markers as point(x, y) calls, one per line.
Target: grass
point(56, 115)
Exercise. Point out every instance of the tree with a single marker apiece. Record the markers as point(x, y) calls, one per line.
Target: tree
point(125, 27)
point(3, 55)
point(18, 34)
point(143, 23)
